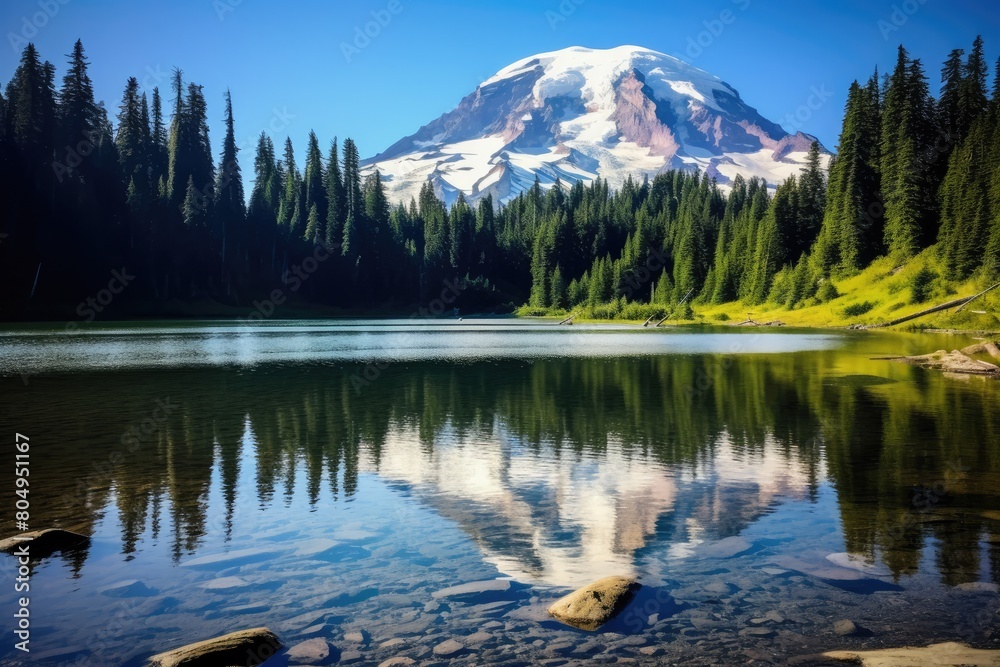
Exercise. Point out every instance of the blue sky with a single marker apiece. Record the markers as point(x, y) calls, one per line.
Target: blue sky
point(288, 71)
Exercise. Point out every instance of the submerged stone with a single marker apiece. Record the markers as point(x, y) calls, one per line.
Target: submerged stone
point(133, 588)
point(246, 647)
point(240, 556)
point(398, 661)
point(448, 648)
point(310, 652)
point(226, 584)
point(592, 606)
point(473, 589)
point(949, 654)
point(845, 628)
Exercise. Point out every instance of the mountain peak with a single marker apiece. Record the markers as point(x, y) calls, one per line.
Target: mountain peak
point(580, 113)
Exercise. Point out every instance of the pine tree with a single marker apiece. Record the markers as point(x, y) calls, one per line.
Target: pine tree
point(178, 169)
point(314, 180)
point(158, 162)
point(949, 103)
point(194, 206)
point(353, 238)
point(972, 91)
point(335, 214)
point(292, 185)
point(230, 208)
point(376, 216)
point(906, 178)
point(78, 113)
point(353, 199)
point(558, 298)
point(811, 203)
point(314, 233)
point(130, 143)
point(30, 109)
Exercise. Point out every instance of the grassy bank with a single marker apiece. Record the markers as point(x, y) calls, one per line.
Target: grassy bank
point(883, 292)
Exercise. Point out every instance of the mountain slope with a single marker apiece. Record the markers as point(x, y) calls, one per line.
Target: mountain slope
point(579, 114)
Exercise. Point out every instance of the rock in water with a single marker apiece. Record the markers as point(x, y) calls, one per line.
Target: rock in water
point(310, 652)
point(845, 628)
point(246, 647)
point(42, 543)
point(448, 648)
point(950, 654)
point(592, 606)
point(132, 588)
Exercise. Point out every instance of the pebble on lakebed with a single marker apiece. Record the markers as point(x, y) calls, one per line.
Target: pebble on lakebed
point(594, 605)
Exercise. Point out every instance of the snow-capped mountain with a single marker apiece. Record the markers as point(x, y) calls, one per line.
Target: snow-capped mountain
point(580, 113)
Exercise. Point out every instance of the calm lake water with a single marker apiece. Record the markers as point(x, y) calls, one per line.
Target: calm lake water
point(325, 479)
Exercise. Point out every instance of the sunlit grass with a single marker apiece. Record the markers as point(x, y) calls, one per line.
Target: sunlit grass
point(881, 293)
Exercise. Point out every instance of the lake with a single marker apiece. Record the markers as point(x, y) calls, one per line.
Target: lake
point(335, 479)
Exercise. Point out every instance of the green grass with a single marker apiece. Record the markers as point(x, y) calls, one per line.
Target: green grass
point(880, 293)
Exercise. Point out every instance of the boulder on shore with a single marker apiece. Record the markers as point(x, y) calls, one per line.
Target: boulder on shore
point(246, 647)
point(42, 543)
point(592, 606)
point(949, 654)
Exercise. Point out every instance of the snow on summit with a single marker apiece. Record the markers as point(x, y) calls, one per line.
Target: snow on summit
point(578, 114)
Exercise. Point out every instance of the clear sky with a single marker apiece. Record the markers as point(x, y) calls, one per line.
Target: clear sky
point(289, 71)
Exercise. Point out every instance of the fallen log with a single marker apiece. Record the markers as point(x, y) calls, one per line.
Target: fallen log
point(961, 303)
point(568, 320)
point(985, 291)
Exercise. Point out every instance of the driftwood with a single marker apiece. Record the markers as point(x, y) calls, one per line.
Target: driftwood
point(755, 323)
point(671, 312)
point(568, 320)
point(961, 303)
point(949, 362)
point(648, 320)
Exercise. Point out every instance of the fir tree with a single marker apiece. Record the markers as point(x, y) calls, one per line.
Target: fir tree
point(336, 212)
point(78, 112)
point(558, 298)
point(230, 208)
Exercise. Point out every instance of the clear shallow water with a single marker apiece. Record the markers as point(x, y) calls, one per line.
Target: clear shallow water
point(323, 479)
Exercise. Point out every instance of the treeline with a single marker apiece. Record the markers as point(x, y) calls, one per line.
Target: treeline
point(911, 172)
point(86, 197)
